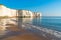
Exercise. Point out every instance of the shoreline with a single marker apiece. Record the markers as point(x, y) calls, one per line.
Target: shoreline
point(52, 32)
point(30, 31)
point(15, 33)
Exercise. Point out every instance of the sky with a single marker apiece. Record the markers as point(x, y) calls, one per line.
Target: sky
point(46, 7)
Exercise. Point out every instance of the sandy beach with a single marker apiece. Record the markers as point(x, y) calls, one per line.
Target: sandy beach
point(23, 33)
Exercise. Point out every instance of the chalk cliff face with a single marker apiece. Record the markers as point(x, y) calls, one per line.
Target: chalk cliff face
point(4, 11)
point(25, 13)
point(37, 14)
point(28, 13)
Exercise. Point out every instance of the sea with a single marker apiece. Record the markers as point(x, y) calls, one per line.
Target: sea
point(50, 22)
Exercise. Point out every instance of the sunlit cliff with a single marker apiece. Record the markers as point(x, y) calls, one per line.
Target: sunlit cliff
point(4, 11)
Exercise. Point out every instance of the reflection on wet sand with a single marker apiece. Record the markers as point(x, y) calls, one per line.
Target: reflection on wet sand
point(3, 26)
point(27, 20)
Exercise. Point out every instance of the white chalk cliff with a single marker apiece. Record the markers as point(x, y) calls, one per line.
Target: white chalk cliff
point(4, 11)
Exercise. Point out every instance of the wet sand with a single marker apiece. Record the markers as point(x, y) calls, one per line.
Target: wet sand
point(16, 33)
point(23, 35)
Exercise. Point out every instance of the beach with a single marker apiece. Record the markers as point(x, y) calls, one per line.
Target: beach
point(23, 29)
point(25, 33)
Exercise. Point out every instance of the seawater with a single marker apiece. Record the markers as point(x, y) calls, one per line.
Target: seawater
point(49, 22)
